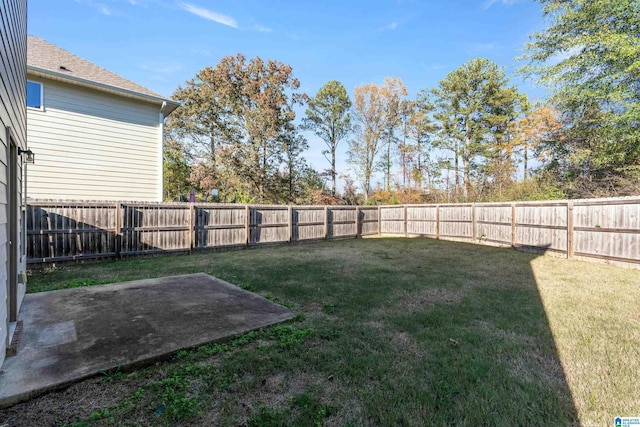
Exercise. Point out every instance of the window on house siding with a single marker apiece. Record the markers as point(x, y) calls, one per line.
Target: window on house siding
point(34, 95)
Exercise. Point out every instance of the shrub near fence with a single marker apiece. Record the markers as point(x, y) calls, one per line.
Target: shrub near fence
point(606, 229)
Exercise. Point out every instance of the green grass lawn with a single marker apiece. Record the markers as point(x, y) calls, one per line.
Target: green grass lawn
point(389, 332)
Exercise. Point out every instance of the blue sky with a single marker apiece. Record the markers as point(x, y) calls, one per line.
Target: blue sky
point(162, 43)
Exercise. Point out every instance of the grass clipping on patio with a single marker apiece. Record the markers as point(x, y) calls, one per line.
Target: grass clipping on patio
point(389, 332)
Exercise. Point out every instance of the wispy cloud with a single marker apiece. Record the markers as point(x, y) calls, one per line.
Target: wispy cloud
point(99, 7)
point(390, 27)
point(488, 3)
point(209, 14)
point(262, 28)
point(104, 10)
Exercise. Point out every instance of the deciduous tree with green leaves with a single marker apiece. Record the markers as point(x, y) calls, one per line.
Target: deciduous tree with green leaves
point(589, 56)
point(328, 116)
point(176, 171)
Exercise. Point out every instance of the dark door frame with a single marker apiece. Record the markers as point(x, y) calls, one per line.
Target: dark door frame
point(12, 227)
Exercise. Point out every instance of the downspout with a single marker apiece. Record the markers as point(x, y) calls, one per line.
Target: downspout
point(161, 155)
point(24, 220)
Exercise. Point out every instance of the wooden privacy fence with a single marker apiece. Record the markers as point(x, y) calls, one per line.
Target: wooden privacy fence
point(607, 229)
point(65, 231)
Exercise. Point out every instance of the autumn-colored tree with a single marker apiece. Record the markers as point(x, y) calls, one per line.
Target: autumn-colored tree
point(370, 110)
point(394, 92)
point(537, 131)
point(329, 117)
point(262, 99)
point(376, 112)
point(238, 118)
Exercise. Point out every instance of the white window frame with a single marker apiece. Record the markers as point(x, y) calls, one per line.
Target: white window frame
point(41, 108)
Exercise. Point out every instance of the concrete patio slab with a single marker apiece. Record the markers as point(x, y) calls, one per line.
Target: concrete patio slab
point(72, 334)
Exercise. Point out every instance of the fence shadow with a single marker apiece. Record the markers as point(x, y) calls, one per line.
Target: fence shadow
point(64, 237)
point(70, 234)
point(201, 233)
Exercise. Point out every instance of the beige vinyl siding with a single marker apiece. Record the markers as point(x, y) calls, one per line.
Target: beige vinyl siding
point(13, 33)
point(91, 145)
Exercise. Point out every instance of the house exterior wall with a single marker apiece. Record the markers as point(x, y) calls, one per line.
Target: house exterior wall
point(13, 37)
point(91, 145)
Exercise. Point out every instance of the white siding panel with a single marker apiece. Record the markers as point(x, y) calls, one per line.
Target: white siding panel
point(13, 38)
point(93, 146)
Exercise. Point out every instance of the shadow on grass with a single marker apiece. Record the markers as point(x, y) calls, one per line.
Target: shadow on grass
point(488, 353)
point(405, 332)
point(429, 332)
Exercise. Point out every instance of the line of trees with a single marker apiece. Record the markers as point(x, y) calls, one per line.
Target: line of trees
point(472, 137)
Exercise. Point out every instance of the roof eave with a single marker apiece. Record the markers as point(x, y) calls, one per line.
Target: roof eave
point(168, 108)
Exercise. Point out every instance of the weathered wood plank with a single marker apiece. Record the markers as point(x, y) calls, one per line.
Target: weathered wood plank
point(600, 229)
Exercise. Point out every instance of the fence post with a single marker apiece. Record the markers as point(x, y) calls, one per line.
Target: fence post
point(192, 228)
point(119, 226)
point(326, 222)
point(473, 222)
point(513, 225)
point(290, 222)
point(570, 248)
point(406, 234)
point(379, 220)
point(247, 225)
point(358, 225)
point(437, 222)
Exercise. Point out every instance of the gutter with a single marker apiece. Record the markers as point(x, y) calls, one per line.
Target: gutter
point(167, 105)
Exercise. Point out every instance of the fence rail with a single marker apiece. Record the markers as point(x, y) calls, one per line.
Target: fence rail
point(603, 229)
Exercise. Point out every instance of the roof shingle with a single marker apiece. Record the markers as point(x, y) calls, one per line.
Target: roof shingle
point(44, 55)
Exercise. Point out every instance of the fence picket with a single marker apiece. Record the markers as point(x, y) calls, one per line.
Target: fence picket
point(603, 229)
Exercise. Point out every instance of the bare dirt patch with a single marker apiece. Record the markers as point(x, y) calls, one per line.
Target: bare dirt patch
point(534, 366)
point(402, 341)
point(429, 297)
point(68, 405)
point(503, 334)
point(406, 345)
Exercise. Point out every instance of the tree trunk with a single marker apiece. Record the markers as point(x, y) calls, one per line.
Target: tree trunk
point(291, 178)
point(333, 170)
point(526, 159)
point(388, 187)
point(419, 163)
point(466, 161)
point(367, 178)
point(466, 164)
point(403, 159)
point(263, 171)
point(456, 187)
